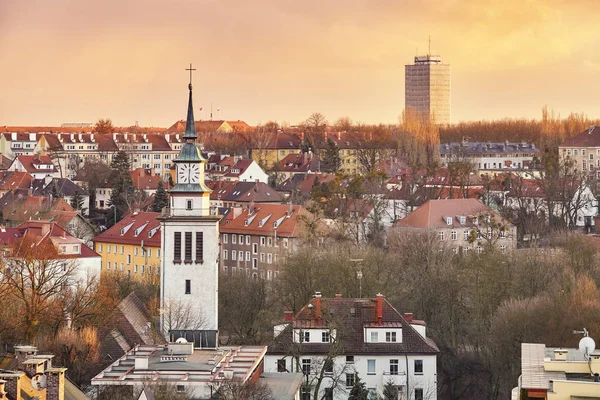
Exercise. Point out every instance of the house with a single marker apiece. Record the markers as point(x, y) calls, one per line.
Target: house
point(74, 223)
point(56, 243)
point(200, 373)
point(301, 163)
point(37, 166)
point(213, 126)
point(4, 162)
point(132, 246)
point(241, 194)
point(231, 168)
point(18, 206)
point(254, 239)
point(488, 156)
point(13, 144)
point(583, 151)
point(558, 373)
point(299, 187)
point(462, 225)
point(10, 180)
point(267, 149)
point(145, 179)
point(63, 188)
point(345, 338)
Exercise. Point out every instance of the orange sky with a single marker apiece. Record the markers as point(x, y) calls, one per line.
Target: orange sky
point(259, 60)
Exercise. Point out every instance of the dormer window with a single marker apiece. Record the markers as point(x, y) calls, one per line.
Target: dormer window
point(449, 220)
point(189, 204)
point(462, 219)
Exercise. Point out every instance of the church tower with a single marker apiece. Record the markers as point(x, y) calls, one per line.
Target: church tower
point(190, 249)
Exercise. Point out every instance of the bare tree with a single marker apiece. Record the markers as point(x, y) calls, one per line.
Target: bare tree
point(178, 315)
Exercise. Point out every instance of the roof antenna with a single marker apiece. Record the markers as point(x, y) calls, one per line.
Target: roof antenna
point(429, 53)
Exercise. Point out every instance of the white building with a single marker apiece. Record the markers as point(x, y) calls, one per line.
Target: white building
point(37, 166)
point(488, 156)
point(350, 337)
point(190, 249)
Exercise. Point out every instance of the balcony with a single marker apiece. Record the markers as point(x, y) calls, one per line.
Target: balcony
point(397, 379)
point(209, 213)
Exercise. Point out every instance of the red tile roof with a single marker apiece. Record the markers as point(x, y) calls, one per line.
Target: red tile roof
point(144, 180)
point(587, 138)
point(29, 163)
point(14, 180)
point(133, 229)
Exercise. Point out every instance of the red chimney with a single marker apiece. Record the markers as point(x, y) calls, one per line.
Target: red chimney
point(288, 315)
point(379, 308)
point(408, 317)
point(317, 305)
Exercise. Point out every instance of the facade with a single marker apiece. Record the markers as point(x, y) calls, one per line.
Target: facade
point(488, 156)
point(13, 144)
point(132, 246)
point(344, 338)
point(190, 248)
point(557, 373)
point(583, 151)
point(241, 194)
point(427, 88)
point(253, 240)
point(464, 225)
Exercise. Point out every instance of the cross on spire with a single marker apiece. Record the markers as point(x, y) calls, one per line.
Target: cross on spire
point(190, 69)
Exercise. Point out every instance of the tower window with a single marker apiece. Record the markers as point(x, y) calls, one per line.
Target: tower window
point(199, 247)
point(188, 286)
point(188, 247)
point(188, 204)
point(177, 250)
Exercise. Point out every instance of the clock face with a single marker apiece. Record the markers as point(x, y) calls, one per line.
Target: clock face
point(188, 173)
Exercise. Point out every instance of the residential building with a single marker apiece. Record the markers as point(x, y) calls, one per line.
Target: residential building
point(268, 150)
point(199, 373)
point(463, 225)
point(557, 373)
point(13, 144)
point(235, 169)
point(255, 239)
point(488, 156)
point(146, 180)
point(13, 180)
point(301, 163)
point(583, 150)
point(63, 188)
point(427, 88)
point(60, 245)
point(190, 248)
point(74, 149)
point(298, 188)
point(132, 246)
point(18, 206)
point(212, 126)
point(37, 166)
point(345, 338)
point(241, 194)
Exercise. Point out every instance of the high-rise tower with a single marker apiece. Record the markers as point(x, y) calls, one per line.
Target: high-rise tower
point(190, 250)
point(427, 88)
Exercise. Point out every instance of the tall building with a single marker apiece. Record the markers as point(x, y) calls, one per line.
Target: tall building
point(427, 88)
point(190, 250)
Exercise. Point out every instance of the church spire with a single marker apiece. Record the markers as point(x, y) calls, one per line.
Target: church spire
point(190, 129)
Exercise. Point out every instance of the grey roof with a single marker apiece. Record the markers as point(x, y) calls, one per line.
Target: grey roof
point(63, 186)
point(477, 148)
point(533, 374)
point(283, 386)
point(190, 153)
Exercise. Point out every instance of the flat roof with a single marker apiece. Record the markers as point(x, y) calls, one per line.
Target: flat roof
point(533, 375)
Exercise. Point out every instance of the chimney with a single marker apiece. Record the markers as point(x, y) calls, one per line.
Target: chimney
point(290, 210)
point(13, 136)
point(339, 135)
point(408, 317)
point(45, 228)
point(317, 306)
point(288, 315)
point(379, 308)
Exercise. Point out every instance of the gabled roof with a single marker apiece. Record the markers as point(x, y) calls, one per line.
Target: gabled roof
point(434, 214)
point(302, 162)
point(29, 163)
point(17, 206)
point(64, 187)
point(143, 179)
point(5, 162)
point(238, 168)
point(587, 138)
point(266, 219)
point(353, 315)
point(257, 192)
point(10, 180)
point(133, 229)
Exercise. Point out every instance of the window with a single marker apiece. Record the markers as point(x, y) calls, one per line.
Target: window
point(233, 239)
point(108, 265)
point(269, 241)
point(304, 337)
point(188, 205)
point(328, 395)
point(306, 366)
point(349, 359)
point(233, 255)
point(418, 394)
point(454, 235)
point(255, 248)
point(466, 235)
point(350, 380)
point(449, 220)
point(502, 234)
point(241, 255)
point(135, 250)
point(225, 255)
point(262, 240)
point(122, 267)
point(108, 248)
point(503, 249)
point(247, 256)
point(135, 268)
point(199, 247)
point(248, 240)
point(281, 365)
point(188, 247)
point(269, 275)
point(325, 337)
point(479, 250)
point(269, 258)
point(328, 367)
point(149, 269)
point(128, 259)
point(188, 286)
point(374, 337)
point(149, 251)
point(393, 367)
point(370, 367)
point(225, 238)
point(158, 253)
point(441, 235)
point(180, 388)
point(100, 248)
point(177, 249)
point(390, 336)
point(262, 257)
point(285, 243)
point(241, 239)
point(418, 367)
point(255, 263)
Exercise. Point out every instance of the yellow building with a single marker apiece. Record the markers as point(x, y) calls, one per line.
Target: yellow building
point(132, 246)
point(557, 373)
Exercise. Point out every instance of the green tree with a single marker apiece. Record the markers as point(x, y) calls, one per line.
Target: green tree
point(359, 390)
point(161, 198)
point(331, 161)
point(122, 190)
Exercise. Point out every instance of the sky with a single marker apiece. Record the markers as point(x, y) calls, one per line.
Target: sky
point(260, 60)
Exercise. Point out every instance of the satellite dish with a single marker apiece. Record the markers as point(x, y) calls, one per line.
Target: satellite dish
point(587, 346)
point(181, 340)
point(39, 382)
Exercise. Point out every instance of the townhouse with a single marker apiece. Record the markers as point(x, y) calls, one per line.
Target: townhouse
point(241, 194)
point(489, 156)
point(38, 166)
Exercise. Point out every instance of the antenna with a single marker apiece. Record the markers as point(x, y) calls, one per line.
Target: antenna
point(429, 53)
point(39, 381)
point(587, 345)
